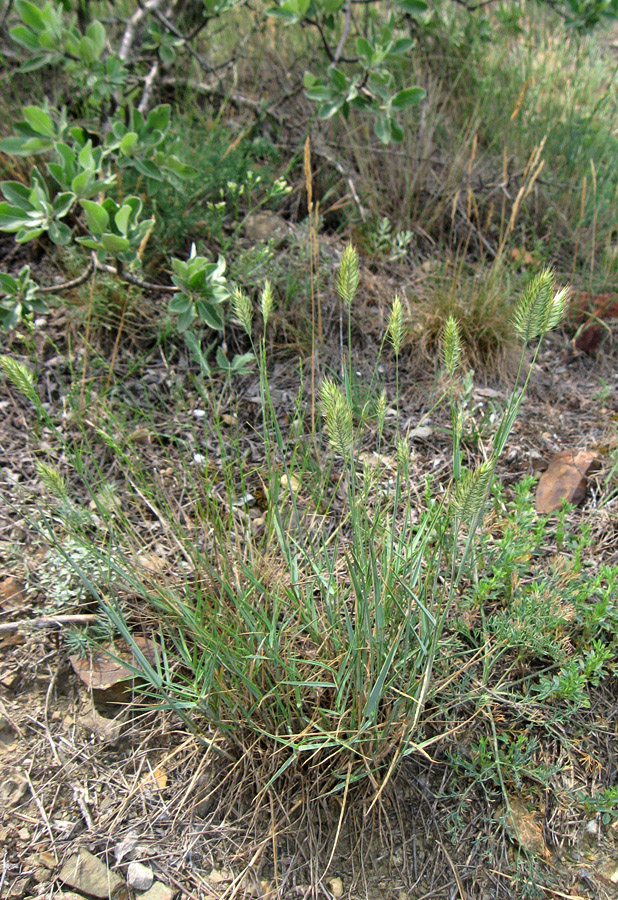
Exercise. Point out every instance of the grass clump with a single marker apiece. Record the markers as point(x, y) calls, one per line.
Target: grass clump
point(312, 648)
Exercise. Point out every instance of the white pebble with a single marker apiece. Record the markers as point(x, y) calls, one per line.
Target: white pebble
point(139, 876)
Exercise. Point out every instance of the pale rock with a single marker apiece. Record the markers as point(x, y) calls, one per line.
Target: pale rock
point(159, 891)
point(335, 886)
point(87, 874)
point(139, 876)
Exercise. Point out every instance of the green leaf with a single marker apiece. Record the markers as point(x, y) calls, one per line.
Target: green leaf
point(96, 217)
point(39, 121)
point(197, 280)
point(159, 118)
point(29, 234)
point(30, 14)
point(11, 218)
point(86, 50)
point(242, 364)
point(408, 97)
point(222, 360)
point(24, 37)
point(328, 110)
point(147, 168)
point(17, 193)
point(197, 353)
point(185, 319)
point(96, 33)
point(89, 243)
point(396, 132)
point(128, 143)
point(210, 314)
point(37, 62)
point(18, 146)
point(338, 79)
point(113, 243)
point(289, 17)
point(166, 54)
point(7, 283)
point(63, 203)
point(80, 183)
point(364, 48)
point(403, 45)
point(413, 7)
point(122, 218)
point(179, 304)
point(60, 233)
point(382, 129)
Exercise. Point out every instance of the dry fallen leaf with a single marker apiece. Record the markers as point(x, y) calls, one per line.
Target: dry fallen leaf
point(564, 479)
point(524, 826)
point(103, 669)
point(157, 778)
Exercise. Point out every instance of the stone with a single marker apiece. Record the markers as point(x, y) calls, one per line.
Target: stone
point(336, 887)
point(159, 891)
point(564, 479)
point(12, 594)
point(108, 731)
point(139, 876)
point(262, 226)
point(219, 876)
point(87, 874)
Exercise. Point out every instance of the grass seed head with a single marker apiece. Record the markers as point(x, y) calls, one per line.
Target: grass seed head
point(51, 479)
point(451, 346)
point(338, 418)
point(395, 325)
point(243, 309)
point(20, 376)
point(347, 280)
point(540, 309)
point(266, 301)
point(471, 491)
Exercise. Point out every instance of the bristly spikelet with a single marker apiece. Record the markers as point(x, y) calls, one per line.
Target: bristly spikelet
point(266, 301)
point(471, 491)
point(381, 411)
point(404, 456)
point(243, 309)
point(338, 418)
point(451, 346)
point(21, 376)
point(395, 325)
point(347, 280)
point(540, 309)
point(51, 479)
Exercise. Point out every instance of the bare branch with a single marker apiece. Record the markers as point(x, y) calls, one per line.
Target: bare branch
point(48, 622)
point(148, 85)
point(346, 31)
point(129, 33)
point(133, 279)
point(67, 285)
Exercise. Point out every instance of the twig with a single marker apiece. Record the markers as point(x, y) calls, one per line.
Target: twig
point(5, 16)
point(148, 84)
point(104, 267)
point(48, 622)
point(39, 805)
point(66, 285)
point(133, 279)
point(345, 32)
point(129, 32)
